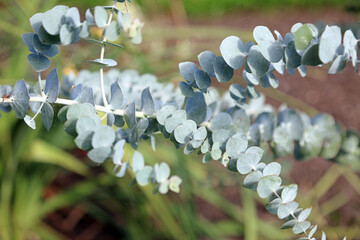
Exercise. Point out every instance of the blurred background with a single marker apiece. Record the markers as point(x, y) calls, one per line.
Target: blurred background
point(50, 190)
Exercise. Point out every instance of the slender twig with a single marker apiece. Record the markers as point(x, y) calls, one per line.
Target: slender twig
point(102, 53)
point(39, 110)
point(40, 85)
point(63, 101)
point(104, 116)
point(185, 102)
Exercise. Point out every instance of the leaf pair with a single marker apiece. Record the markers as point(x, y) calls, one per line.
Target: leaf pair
point(38, 59)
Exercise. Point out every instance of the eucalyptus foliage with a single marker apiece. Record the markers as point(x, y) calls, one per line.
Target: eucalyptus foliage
point(231, 129)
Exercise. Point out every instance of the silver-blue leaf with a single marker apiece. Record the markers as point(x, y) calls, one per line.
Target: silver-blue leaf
point(52, 86)
point(117, 98)
point(147, 102)
point(104, 137)
point(187, 71)
point(47, 113)
point(206, 60)
point(100, 16)
point(99, 155)
point(196, 108)
point(268, 185)
point(257, 62)
point(21, 99)
point(233, 51)
point(53, 19)
point(223, 71)
point(38, 62)
point(330, 40)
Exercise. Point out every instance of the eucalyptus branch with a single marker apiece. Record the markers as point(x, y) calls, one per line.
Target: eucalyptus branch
point(68, 102)
point(102, 53)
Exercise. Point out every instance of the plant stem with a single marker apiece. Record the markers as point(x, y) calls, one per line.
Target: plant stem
point(102, 53)
point(37, 113)
point(185, 102)
point(40, 85)
point(63, 101)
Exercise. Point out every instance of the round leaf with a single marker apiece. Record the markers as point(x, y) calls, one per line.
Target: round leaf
point(248, 160)
point(184, 132)
point(251, 180)
point(203, 81)
point(119, 152)
point(175, 120)
point(196, 108)
point(123, 169)
point(273, 168)
point(83, 140)
point(257, 62)
point(52, 19)
point(164, 113)
point(52, 86)
point(187, 71)
point(237, 92)
point(138, 162)
point(287, 209)
point(233, 51)
point(144, 175)
point(311, 56)
point(38, 62)
point(223, 72)
point(39, 46)
point(104, 137)
point(330, 40)
point(272, 51)
point(99, 155)
point(289, 193)
point(292, 58)
point(236, 145)
point(303, 35)
point(337, 65)
point(174, 183)
point(304, 215)
point(47, 113)
point(67, 35)
point(262, 33)
point(100, 16)
point(301, 227)
point(206, 60)
point(162, 172)
point(30, 122)
point(76, 111)
point(147, 102)
point(268, 185)
point(186, 89)
point(112, 31)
